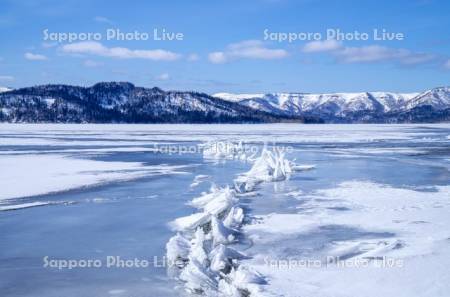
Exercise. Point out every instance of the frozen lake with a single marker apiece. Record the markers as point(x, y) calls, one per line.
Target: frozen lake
point(93, 191)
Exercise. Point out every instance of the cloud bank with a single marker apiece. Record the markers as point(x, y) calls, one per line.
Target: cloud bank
point(249, 49)
point(35, 57)
point(367, 54)
point(98, 49)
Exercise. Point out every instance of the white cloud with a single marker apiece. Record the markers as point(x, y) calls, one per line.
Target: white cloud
point(417, 58)
point(217, 57)
point(101, 19)
point(49, 44)
point(372, 53)
point(6, 78)
point(376, 53)
point(193, 58)
point(35, 57)
point(322, 46)
point(98, 49)
point(163, 76)
point(91, 63)
point(447, 64)
point(249, 49)
point(368, 54)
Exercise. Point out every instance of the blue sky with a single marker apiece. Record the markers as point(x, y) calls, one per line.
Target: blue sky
point(223, 46)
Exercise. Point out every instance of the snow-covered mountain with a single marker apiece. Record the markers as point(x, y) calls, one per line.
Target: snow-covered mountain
point(438, 98)
point(393, 101)
point(123, 102)
point(4, 89)
point(335, 103)
point(348, 107)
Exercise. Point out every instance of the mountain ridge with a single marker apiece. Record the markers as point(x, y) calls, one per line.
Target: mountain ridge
point(352, 107)
point(123, 102)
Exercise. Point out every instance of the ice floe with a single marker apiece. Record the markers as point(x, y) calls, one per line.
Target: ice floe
point(199, 179)
point(234, 218)
point(223, 258)
point(190, 222)
point(228, 150)
point(209, 265)
point(199, 279)
point(221, 234)
point(216, 201)
point(178, 249)
point(271, 166)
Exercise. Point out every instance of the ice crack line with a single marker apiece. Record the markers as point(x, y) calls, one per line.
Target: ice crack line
point(200, 254)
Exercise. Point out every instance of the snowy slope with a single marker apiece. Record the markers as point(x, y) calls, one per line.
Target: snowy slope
point(121, 102)
point(438, 98)
point(237, 97)
point(393, 101)
point(332, 103)
point(4, 89)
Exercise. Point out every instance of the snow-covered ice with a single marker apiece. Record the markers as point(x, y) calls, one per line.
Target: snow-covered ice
point(52, 173)
point(379, 222)
point(340, 195)
point(138, 135)
point(23, 205)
